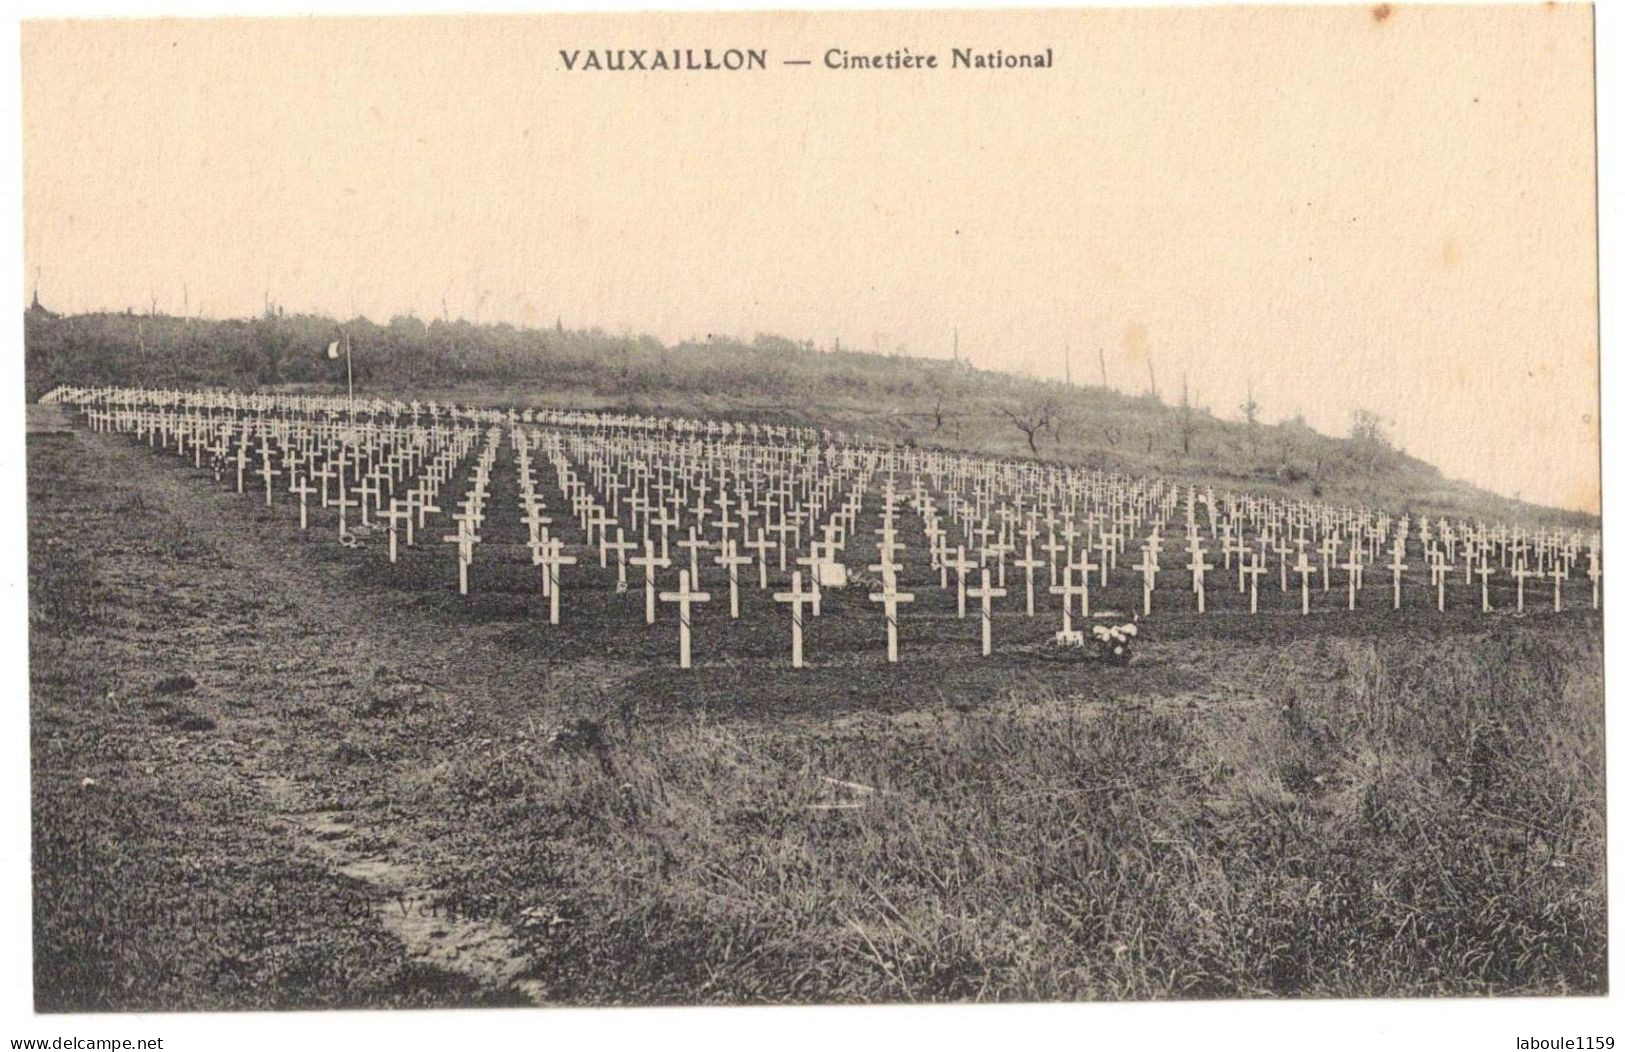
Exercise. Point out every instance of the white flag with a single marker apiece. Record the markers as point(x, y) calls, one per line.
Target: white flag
point(333, 349)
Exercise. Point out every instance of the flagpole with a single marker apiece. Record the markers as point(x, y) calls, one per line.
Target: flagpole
point(349, 375)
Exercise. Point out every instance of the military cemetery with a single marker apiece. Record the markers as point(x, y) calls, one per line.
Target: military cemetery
point(511, 530)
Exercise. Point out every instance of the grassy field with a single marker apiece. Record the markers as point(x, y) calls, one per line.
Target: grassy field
point(269, 772)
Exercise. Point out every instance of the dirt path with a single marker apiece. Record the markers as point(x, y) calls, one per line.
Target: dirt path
point(403, 896)
point(301, 694)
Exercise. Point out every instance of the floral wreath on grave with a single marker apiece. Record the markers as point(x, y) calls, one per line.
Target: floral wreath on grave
point(1115, 643)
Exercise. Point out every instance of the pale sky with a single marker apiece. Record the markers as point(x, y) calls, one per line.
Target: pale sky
point(1391, 212)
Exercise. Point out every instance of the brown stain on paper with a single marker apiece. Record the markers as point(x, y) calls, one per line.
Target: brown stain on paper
point(1136, 342)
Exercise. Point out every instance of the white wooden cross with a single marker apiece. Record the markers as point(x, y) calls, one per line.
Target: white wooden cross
point(813, 562)
point(552, 559)
point(960, 566)
point(465, 539)
point(1029, 564)
point(382, 482)
point(987, 593)
point(888, 543)
point(367, 488)
point(789, 533)
point(343, 502)
point(761, 545)
point(663, 522)
point(598, 526)
point(1051, 549)
point(1198, 568)
point(265, 471)
point(397, 512)
point(890, 596)
point(533, 517)
point(537, 545)
point(1083, 566)
point(1253, 567)
point(684, 598)
point(1328, 553)
point(1148, 575)
point(1483, 571)
point(325, 475)
point(694, 544)
point(426, 495)
point(1519, 571)
point(1303, 568)
point(729, 557)
point(649, 561)
point(302, 487)
point(1440, 572)
point(1066, 590)
point(998, 550)
point(1398, 567)
point(797, 598)
point(620, 546)
point(1352, 569)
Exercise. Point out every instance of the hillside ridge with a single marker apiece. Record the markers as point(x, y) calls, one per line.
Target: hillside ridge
point(771, 379)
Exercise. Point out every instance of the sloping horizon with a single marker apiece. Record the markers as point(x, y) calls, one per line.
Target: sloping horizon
point(1342, 210)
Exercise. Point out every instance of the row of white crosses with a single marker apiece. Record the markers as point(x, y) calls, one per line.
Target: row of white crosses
point(691, 500)
point(1291, 534)
point(471, 507)
point(371, 462)
point(546, 549)
point(301, 407)
point(762, 503)
point(1542, 544)
point(470, 515)
point(1198, 566)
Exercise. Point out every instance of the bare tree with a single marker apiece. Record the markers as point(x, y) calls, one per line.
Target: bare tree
point(1292, 436)
point(1185, 417)
point(1249, 413)
point(1369, 437)
point(1031, 419)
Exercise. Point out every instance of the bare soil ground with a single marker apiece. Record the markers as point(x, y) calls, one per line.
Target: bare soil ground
point(272, 772)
